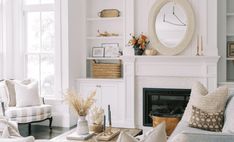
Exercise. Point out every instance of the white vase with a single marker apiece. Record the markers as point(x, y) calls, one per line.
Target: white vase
point(82, 126)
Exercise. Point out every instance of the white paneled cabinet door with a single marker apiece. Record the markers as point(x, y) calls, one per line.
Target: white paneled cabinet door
point(85, 89)
point(112, 95)
point(108, 93)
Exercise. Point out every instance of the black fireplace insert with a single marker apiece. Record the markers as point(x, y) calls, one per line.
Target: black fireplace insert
point(163, 102)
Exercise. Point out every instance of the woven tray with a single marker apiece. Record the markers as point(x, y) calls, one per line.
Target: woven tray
point(109, 13)
point(106, 70)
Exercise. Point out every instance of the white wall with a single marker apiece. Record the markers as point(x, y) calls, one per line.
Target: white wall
point(76, 36)
point(206, 23)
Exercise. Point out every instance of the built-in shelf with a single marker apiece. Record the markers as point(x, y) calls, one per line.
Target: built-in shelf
point(105, 19)
point(230, 59)
point(104, 58)
point(230, 34)
point(230, 14)
point(101, 38)
point(102, 79)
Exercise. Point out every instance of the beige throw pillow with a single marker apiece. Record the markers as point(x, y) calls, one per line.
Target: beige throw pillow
point(27, 95)
point(11, 90)
point(157, 134)
point(209, 102)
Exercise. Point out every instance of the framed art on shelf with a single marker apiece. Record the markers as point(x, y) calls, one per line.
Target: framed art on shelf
point(98, 52)
point(111, 49)
point(230, 50)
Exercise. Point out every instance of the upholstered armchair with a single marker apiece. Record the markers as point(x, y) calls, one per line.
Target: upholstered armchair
point(25, 114)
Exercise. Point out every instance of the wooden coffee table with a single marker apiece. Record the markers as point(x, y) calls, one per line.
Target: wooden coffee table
point(63, 138)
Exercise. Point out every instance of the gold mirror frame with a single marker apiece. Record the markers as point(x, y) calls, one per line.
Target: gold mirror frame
point(162, 49)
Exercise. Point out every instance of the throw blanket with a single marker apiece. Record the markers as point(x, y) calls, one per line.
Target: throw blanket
point(7, 129)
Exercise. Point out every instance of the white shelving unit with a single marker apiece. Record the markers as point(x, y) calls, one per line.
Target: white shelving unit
point(111, 58)
point(226, 34)
point(104, 19)
point(230, 14)
point(109, 91)
point(104, 38)
point(230, 37)
point(94, 23)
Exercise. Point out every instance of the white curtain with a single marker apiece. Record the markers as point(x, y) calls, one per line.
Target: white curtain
point(6, 38)
point(1, 39)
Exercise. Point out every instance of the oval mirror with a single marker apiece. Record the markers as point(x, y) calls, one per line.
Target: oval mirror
point(171, 26)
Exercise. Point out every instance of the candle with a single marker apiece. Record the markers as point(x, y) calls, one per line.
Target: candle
point(104, 123)
point(201, 46)
point(197, 45)
point(109, 115)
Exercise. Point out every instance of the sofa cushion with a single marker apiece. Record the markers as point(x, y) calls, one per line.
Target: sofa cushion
point(209, 102)
point(13, 112)
point(229, 117)
point(206, 121)
point(27, 95)
point(158, 133)
point(183, 126)
point(202, 137)
point(31, 118)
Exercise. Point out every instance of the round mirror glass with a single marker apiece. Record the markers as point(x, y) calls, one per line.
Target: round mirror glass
point(171, 24)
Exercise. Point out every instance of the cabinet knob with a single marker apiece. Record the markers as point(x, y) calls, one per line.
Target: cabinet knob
point(98, 86)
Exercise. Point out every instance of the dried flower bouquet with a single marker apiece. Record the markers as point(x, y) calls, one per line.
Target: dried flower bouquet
point(79, 104)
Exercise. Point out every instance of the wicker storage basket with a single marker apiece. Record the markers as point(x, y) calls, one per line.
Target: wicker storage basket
point(106, 70)
point(171, 123)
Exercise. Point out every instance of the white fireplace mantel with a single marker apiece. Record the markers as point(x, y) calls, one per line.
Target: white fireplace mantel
point(165, 72)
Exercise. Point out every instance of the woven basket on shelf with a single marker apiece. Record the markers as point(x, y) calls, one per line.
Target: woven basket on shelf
point(106, 70)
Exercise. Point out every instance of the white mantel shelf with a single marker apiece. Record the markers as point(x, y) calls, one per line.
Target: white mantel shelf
point(173, 58)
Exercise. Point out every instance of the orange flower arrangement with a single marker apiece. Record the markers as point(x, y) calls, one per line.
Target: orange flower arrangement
point(139, 42)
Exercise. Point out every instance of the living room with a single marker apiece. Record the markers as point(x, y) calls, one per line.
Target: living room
point(144, 60)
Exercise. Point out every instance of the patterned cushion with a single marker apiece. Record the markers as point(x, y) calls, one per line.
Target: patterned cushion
point(13, 112)
point(206, 121)
point(31, 118)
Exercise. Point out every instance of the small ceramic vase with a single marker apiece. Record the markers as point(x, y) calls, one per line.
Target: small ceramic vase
point(82, 126)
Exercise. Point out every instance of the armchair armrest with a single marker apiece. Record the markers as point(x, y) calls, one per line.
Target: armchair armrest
point(203, 137)
point(3, 108)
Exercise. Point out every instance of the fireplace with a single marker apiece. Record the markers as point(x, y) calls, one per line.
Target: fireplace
point(163, 102)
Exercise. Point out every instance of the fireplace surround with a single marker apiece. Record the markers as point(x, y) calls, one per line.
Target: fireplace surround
point(163, 72)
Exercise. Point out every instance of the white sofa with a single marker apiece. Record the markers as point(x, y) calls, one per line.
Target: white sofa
point(184, 133)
